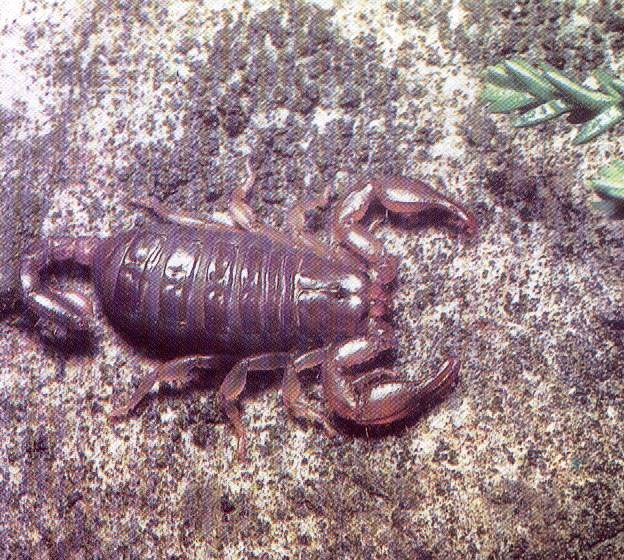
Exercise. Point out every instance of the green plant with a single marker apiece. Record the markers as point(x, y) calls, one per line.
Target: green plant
point(609, 186)
point(544, 93)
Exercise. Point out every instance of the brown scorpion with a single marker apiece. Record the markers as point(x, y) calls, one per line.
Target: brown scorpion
point(228, 287)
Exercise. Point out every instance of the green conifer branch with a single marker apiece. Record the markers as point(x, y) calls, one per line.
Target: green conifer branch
point(544, 93)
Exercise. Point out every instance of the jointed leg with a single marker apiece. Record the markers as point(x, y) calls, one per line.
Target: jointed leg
point(178, 370)
point(240, 213)
point(240, 210)
point(296, 222)
point(296, 218)
point(292, 392)
point(340, 391)
point(243, 215)
point(165, 214)
point(234, 383)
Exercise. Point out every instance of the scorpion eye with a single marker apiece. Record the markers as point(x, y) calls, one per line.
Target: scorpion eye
point(340, 292)
point(335, 290)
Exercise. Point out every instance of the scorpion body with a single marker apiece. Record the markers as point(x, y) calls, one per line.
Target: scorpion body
point(229, 290)
point(214, 291)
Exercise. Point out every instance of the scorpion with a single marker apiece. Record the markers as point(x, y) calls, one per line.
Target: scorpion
point(227, 290)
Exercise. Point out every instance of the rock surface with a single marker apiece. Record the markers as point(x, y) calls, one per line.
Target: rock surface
point(524, 459)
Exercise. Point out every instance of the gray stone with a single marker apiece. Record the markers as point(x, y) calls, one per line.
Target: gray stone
point(523, 460)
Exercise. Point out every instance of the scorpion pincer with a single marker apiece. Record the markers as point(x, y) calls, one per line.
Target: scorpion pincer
point(227, 290)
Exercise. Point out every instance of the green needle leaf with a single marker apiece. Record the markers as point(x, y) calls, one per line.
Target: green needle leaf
point(610, 180)
point(610, 188)
point(543, 113)
point(606, 81)
point(580, 95)
point(503, 100)
point(605, 120)
point(617, 84)
point(531, 79)
point(498, 76)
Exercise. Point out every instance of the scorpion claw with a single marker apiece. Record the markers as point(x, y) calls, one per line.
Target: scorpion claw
point(380, 397)
point(394, 400)
point(466, 221)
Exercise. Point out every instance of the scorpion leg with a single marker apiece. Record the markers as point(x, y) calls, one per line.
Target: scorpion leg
point(235, 382)
point(160, 211)
point(240, 214)
point(240, 210)
point(296, 221)
point(292, 392)
point(296, 224)
point(397, 194)
point(296, 217)
point(244, 216)
point(59, 312)
point(380, 396)
point(177, 370)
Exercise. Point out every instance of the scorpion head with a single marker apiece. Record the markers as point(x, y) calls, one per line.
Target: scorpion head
point(333, 304)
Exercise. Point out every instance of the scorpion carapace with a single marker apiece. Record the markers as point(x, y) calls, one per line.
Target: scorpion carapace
point(228, 289)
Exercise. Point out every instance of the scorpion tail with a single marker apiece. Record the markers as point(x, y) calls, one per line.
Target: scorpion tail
point(58, 312)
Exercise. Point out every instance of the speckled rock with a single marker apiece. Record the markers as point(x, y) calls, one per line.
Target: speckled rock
point(523, 460)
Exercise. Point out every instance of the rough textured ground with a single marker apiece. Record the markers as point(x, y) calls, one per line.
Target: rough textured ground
point(524, 460)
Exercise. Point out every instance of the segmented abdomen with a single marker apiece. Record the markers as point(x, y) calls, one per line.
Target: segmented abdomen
point(213, 290)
